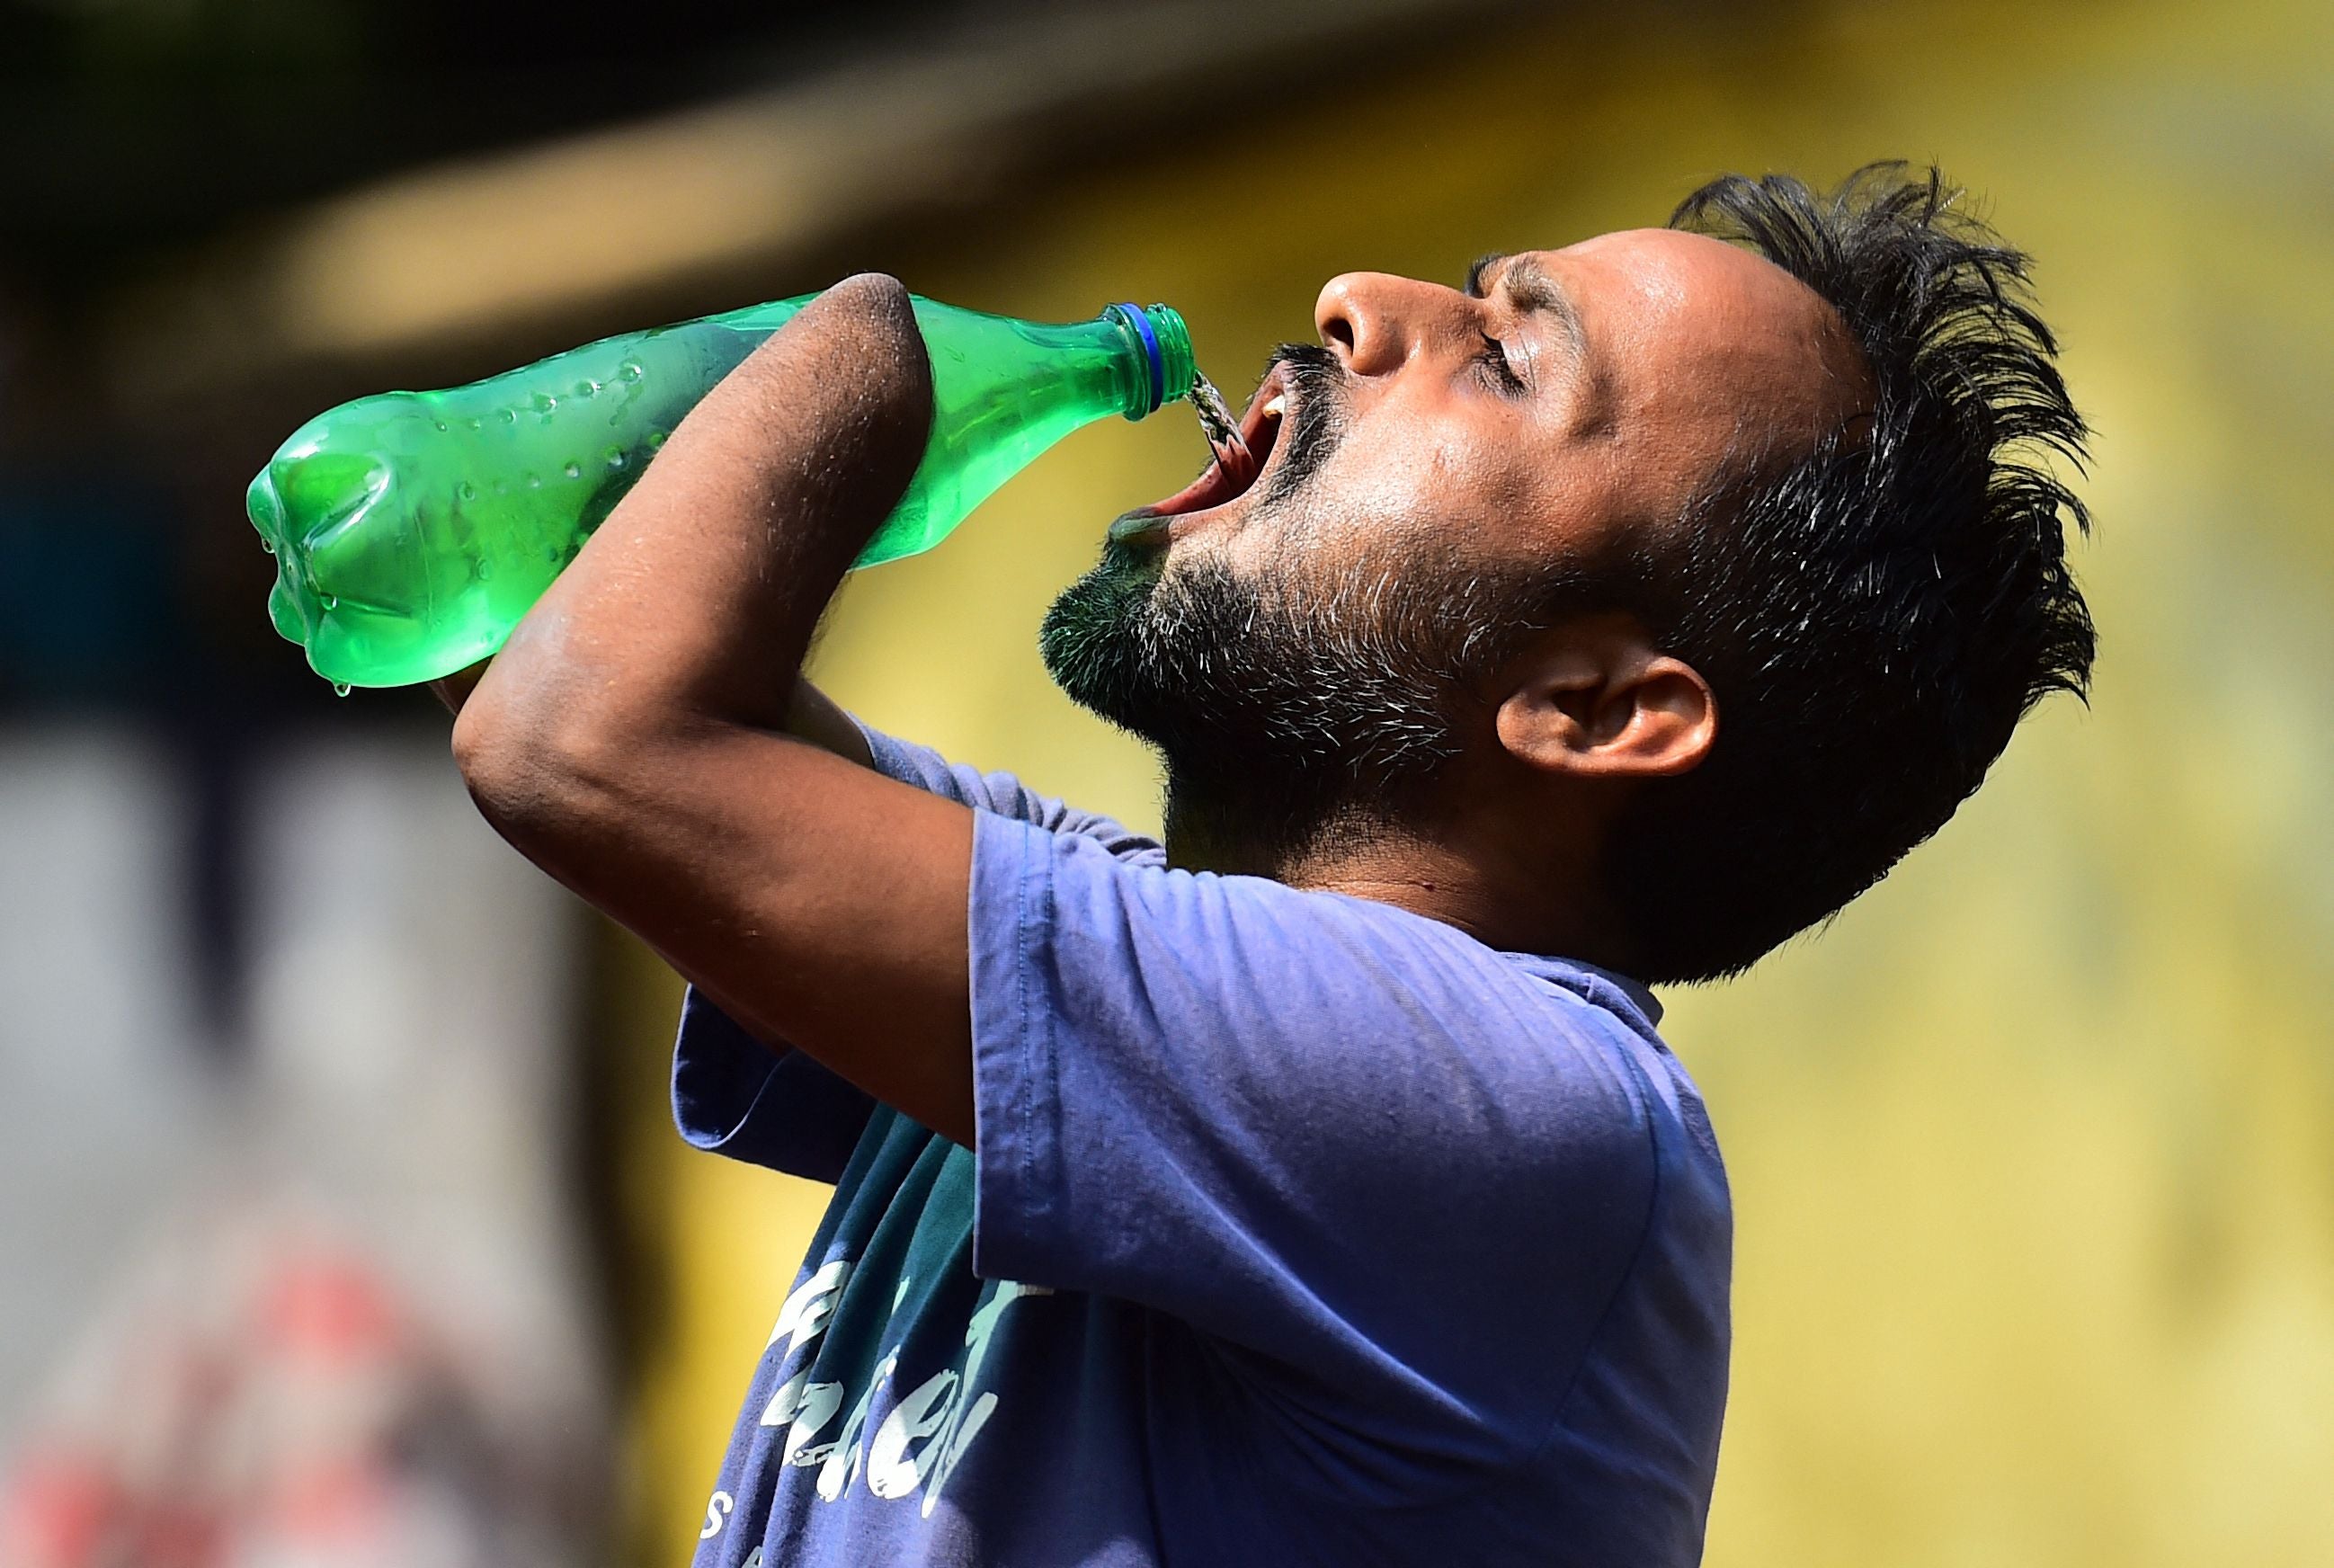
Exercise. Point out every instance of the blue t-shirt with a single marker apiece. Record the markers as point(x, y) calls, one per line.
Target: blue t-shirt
point(1300, 1229)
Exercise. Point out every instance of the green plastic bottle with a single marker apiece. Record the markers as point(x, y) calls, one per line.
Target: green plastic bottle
point(412, 530)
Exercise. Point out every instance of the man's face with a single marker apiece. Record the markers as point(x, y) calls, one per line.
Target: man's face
point(1428, 478)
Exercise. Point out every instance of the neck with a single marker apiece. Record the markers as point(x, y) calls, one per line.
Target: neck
point(1466, 869)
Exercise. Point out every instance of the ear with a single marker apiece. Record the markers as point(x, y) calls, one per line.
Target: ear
point(1594, 699)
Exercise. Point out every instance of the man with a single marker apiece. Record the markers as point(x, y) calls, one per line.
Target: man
point(1312, 1187)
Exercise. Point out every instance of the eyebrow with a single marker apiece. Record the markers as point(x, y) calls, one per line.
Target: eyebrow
point(1530, 289)
point(1473, 287)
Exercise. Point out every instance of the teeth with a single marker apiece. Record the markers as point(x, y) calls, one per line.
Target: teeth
point(1278, 405)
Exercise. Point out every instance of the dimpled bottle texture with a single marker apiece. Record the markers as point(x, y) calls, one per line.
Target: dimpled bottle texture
point(412, 530)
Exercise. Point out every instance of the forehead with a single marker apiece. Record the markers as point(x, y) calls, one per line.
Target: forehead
point(1700, 338)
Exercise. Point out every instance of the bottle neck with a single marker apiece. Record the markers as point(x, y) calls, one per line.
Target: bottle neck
point(1156, 347)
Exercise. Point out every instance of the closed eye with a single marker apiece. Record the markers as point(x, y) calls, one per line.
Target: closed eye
point(1496, 364)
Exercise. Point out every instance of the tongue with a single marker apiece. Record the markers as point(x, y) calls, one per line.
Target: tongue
point(1236, 466)
point(1235, 461)
point(1213, 488)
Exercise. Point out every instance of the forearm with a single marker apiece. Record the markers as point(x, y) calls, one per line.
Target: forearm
point(696, 600)
point(811, 716)
point(632, 738)
point(651, 690)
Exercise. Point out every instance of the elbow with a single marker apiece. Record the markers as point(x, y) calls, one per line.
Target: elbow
point(543, 771)
point(487, 754)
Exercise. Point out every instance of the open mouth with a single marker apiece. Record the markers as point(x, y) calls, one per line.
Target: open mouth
point(1225, 479)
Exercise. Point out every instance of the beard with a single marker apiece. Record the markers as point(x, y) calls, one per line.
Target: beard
point(1293, 699)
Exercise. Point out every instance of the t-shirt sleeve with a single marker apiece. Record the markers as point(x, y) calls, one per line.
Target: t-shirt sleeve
point(1383, 1166)
point(733, 1095)
point(1004, 795)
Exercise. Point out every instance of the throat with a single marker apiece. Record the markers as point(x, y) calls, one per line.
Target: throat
point(1250, 822)
point(1508, 902)
point(1319, 845)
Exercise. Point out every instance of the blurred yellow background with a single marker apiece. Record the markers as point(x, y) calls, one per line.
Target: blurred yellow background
point(2033, 1149)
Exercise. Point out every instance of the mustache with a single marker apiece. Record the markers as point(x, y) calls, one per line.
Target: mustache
point(1315, 382)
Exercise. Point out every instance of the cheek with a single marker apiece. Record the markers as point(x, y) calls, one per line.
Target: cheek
point(1393, 463)
point(1458, 486)
point(1412, 473)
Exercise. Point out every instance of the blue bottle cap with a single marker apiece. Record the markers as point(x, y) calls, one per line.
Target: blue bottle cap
point(1134, 315)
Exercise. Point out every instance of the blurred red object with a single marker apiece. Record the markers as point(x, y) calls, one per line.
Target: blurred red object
point(270, 1400)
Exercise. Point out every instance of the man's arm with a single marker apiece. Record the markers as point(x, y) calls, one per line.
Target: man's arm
point(631, 741)
point(813, 716)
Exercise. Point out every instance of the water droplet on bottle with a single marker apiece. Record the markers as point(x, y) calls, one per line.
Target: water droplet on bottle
point(485, 571)
point(655, 439)
point(267, 545)
point(470, 492)
point(329, 601)
point(534, 481)
point(475, 422)
point(510, 416)
point(544, 402)
point(440, 423)
point(574, 470)
point(585, 388)
point(340, 689)
point(614, 458)
point(631, 370)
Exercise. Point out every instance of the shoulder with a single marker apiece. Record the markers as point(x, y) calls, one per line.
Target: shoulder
point(1348, 1010)
point(1514, 1060)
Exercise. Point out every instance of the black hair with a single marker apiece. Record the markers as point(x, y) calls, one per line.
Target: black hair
point(1875, 616)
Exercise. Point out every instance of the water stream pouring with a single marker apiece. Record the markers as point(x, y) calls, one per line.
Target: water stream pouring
point(1223, 431)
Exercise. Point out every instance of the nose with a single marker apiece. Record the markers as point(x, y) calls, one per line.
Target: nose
point(1374, 320)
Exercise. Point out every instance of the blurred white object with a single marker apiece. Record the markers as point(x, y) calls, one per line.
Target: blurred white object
point(102, 1102)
